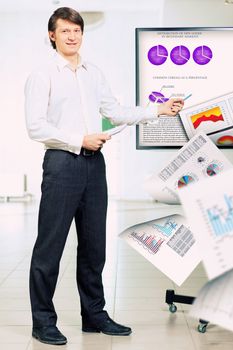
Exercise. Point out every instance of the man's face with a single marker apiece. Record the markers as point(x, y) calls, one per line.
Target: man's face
point(67, 37)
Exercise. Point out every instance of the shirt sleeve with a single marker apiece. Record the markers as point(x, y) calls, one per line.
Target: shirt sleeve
point(117, 114)
point(37, 91)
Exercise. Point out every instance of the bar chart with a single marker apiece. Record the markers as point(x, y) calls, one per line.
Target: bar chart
point(149, 242)
point(221, 218)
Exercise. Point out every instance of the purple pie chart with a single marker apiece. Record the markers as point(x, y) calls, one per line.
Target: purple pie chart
point(202, 55)
point(157, 55)
point(180, 55)
point(157, 97)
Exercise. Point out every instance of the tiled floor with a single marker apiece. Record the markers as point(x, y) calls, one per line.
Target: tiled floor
point(134, 290)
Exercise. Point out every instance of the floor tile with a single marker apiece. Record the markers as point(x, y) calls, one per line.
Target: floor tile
point(35, 345)
point(142, 317)
point(14, 318)
point(134, 291)
point(156, 337)
point(76, 336)
point(15, 347)
point(14, 335)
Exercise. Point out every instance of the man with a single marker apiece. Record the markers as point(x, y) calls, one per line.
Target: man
point(62, 103)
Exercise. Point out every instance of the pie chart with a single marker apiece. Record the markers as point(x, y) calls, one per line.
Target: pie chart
point(180, 55)
point(157, 97)
point(185, 180)
point(157, 55)
point(212, 169)
point(202, 55)
point(225, 140)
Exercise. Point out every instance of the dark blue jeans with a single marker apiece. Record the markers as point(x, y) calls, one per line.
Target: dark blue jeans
point(73, 186)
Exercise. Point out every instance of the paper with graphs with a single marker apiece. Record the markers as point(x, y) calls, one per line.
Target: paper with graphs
point(214, 302)
point(213, 116)
point(167, 243)
point(197, 160)
point(208, 207)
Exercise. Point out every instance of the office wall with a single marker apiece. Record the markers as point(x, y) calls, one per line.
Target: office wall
point(23, 47)
point(197, 13)
point(22, 44)
point(137, 165)
point(111, 47)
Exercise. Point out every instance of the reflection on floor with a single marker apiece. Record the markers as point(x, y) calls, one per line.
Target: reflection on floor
point(134, 289)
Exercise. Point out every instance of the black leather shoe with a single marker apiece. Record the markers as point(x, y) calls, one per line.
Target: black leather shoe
point(107, 326)
point(49, 335)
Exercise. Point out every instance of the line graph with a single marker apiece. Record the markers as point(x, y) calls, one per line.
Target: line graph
point(167, 228)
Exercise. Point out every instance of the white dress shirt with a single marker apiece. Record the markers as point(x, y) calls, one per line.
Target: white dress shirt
point(62, 105)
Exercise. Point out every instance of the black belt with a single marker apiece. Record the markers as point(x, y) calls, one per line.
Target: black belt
point(88, 153)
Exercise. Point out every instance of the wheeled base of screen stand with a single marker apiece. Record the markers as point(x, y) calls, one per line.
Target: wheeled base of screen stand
point(172, 298)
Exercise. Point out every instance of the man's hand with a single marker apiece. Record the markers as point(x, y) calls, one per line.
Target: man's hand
point(95, 141)
point(171, 107)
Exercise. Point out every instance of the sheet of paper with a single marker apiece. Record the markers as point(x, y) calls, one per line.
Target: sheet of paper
point(115, 130)
point(198, 159)
point(167, 243)
point(208, 207)
point(214, 302)
point(213, 117)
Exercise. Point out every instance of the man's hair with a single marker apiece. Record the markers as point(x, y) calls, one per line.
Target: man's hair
point(67, 14)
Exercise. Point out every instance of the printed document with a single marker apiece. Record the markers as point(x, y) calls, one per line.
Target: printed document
point(214, 302)
point(208, 206)
point(214, 117)
point(197, 160)
point(167, 243)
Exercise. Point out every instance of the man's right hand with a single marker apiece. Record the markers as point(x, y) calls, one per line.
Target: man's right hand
point(171, 107)
point(95, 141)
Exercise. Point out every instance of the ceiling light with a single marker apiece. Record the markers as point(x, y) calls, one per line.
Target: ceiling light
point(92, 19)
point(228, 2)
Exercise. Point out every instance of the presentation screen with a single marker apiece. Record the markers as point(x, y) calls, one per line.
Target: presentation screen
point(194, 64)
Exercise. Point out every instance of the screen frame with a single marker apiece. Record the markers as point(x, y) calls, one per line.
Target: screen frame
point(137, 74)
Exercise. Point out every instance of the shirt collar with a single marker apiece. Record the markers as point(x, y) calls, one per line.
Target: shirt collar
point(62, 62)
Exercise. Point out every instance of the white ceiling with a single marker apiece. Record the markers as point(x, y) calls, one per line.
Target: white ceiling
point(80, 5)
point(92, 5)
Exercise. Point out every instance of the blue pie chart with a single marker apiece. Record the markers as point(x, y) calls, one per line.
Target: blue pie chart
point(180, 55)
point(202, 55)
point(157, 55)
